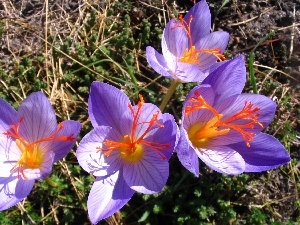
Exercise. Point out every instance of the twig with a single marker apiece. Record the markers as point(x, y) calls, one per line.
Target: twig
point(144, 3)
point(46, 44)
point(164, 11)
point(253, 18)
point(52, 211)
point(292, 35)
point(270, 68)
point(22, 209)
point(283, 28)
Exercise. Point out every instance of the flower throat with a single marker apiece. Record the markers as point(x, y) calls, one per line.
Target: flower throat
point(131, 148)
point(191, 54)
point(32, 155)
point(200, 133)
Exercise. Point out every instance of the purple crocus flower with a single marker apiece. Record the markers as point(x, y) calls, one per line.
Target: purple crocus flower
point(223, 127)
point(189, 50)
point(128, 149)
point(30, 142)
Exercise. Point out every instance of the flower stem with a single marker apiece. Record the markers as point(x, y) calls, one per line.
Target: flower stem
point(185, 175)
point(170, 92)
point(51, 182)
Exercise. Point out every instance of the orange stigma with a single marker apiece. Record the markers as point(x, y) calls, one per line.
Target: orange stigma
point(32, 155)
point(191, 54)
point(131, 148)
point(200, 133)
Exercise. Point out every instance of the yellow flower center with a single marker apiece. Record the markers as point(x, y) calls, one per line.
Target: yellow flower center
point(32, 156)
point(131, 153)
point(201, 133)
point(191, 54)
point(130, 148)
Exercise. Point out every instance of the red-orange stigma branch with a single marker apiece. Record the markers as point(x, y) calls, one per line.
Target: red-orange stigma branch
point(132, 142)
point(246, 113)
point(136, 116)
point(214, 51)
point(185, 26)
point(14, 131)
point(200, 104)
point(113, 145)
point(20, 170)
point(151, 123)
point(157, 147)
point(53, 136)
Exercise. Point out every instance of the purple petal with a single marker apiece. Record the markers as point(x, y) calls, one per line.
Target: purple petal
point(23, 188)
point(223, 160)
point(201, 22)
point(157, 62)
point(7, 192)
point(219, 40)
point(106, 104)
point(107, 196)
point(175, 39)
point(13, 190)
point(149, 175)
point(91, 159)
point(222, 140)
point(61, 148)
point(186, 72)
point(177, 70)
point(265, 153)
point(215, 66)
point(8, 116)
point(39, 118)
point(228, 79)
point(9, 155)
point(168, 134)
point(186, 154)
point(122, 190)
